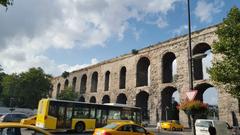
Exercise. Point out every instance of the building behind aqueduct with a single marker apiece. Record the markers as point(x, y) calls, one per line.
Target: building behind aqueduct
point(144, 78)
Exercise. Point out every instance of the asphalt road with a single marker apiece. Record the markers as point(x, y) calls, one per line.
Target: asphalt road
point(162, 132)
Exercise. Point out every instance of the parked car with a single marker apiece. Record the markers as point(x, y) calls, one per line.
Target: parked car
point(202, 125)
point(12, 117)
point(29, 121)
point(171, 125)
point(122, 128)
point(8, 128)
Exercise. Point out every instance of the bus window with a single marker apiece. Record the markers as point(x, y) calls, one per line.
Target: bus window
point(69, 113)
point(114, 114)
point(92, 113)
point(126, 115)
point(139, 118)
point(81, 112)
point(52, 109)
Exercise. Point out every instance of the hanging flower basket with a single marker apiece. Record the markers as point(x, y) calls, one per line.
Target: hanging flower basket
point(193, 107)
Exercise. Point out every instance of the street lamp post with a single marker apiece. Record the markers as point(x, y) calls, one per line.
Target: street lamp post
point(190, 48)
point(190, 58)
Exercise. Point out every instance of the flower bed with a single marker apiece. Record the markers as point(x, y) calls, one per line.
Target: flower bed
point(193, 107)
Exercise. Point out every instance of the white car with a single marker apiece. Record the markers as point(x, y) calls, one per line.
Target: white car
point(222, 128)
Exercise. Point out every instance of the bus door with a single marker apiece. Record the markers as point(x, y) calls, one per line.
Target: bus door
point(101, 118)
point(64, 119)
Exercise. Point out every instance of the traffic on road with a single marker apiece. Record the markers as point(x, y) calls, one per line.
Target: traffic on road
point(60, 117)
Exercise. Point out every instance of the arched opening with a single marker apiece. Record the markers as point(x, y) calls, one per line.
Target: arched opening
point(92, 99)
point(74, 83)
point(207, 93)
point(207, 63)
point(142, 102)
point(107, 76)
point(66, 84)
point(142, 72)
point(167, 67)
point(122, 83)
point(121, 99)
point(94, 82)
point(199, 52)
point(81, 99)
point(106, 99)
point(58, 89)
point(83, 85)
point(169, 103)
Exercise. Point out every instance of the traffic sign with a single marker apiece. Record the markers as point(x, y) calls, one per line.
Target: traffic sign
point(191, 94)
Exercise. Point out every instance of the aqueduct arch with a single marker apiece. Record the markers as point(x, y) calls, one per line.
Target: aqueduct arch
point(167, 67)
point(168, 105)
point(106, 99)
point(199, 52)
point(142, 102)
point(131, 73)
point(82, 99)
point(142, 71)
point(121, 98)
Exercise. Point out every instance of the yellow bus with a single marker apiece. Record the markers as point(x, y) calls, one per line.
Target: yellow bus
point(65, 115)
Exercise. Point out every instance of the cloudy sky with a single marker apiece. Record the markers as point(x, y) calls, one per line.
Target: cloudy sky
point(64, 35)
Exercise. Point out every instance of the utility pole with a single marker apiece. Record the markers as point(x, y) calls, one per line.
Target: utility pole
point(190, 65)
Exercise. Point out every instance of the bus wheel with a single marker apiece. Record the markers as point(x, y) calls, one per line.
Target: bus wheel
point(79, 127)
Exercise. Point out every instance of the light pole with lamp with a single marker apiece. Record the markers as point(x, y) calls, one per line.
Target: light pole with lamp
point(190, 65)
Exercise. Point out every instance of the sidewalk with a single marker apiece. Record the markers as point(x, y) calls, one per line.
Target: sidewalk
point(164, 132)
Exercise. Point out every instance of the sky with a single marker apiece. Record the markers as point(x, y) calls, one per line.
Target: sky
point(65, 35)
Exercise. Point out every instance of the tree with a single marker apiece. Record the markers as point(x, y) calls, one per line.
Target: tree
point(2, 74)
point(227, 70)
point(68, 94)
point(34, 83)
point(6, 3)
point(10, 84)
point(65, 74)
point(26, 88)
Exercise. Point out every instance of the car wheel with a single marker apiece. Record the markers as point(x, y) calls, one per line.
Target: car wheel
point(79, 127)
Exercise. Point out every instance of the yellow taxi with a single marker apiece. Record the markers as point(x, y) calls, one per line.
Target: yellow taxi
point(171, 125)
point(9, 128)
point(122, 128)
point(29, 121)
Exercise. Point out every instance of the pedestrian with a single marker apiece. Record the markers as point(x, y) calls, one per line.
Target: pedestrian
point(212, 130)
point(158, 126)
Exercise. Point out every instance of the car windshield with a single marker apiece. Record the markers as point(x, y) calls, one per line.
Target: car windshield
point(111, 126)
point(203, 124)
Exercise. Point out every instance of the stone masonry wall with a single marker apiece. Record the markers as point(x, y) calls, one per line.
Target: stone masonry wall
point(154, 53)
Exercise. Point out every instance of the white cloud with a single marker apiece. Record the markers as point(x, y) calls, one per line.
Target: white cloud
point(30, 28)
point(179, 31)
point(206, 10)
point(65, 67)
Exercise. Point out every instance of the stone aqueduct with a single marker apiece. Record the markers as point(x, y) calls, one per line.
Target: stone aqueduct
point(145, 78)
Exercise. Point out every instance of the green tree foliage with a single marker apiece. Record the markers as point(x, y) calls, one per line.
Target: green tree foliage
point(2, 74)
point(67, 94)
point(10, 85)
point(6, 3)
point(34, 83)
point(227, 70)
point(26, 88)
point(65, 74)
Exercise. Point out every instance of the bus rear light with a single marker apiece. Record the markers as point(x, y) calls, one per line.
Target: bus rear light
point(45, 117)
